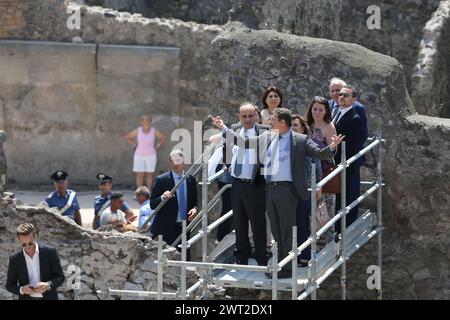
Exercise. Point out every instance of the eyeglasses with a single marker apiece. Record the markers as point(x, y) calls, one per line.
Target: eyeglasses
point(346, 95)
point(29, 244)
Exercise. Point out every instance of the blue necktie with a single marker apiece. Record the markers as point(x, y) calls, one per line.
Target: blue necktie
point(273, 151)
point(182, 205)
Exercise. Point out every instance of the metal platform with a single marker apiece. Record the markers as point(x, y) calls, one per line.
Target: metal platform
point(361, 231)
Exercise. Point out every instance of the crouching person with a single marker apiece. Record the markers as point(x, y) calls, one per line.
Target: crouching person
point(114, 216)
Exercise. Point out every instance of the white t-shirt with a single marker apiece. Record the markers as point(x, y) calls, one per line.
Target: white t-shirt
point(108, 216)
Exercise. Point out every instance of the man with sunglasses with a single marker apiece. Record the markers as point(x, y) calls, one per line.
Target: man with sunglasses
point(63, 199)
point(336, 85)
point(34, 272)
point(348, 123)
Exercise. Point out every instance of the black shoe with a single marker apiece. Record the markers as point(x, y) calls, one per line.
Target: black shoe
point(242, 261)
point(281, 274)
point(302, 263)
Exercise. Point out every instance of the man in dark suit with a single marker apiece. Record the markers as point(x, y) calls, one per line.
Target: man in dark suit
point(247, 191)
point(34, 272)
point(283, 154)
point(181, 206)
point(336, 85)
point(348, 123)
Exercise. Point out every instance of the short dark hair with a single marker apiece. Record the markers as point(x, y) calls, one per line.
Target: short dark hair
point(25, 229)
point(322, 101)
point(351, 88)
point(302, 122)
point(266, 93)
point(284, 114)
point(117, 196)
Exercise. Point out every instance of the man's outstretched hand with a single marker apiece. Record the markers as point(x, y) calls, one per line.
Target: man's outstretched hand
point(335, 140)
point(218, 122)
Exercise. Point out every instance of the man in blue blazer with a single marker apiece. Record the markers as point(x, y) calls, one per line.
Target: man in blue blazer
point(348, 123)
point(181, 205)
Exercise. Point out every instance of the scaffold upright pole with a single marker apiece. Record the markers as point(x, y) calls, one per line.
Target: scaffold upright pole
point(343, 222)
point(379, 214)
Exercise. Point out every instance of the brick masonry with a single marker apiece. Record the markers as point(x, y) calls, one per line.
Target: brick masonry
point(11, 17)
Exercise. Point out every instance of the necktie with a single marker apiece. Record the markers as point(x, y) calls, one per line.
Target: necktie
point(336, 118)
point(182, 205)
point(240, 158)
point(272, 153)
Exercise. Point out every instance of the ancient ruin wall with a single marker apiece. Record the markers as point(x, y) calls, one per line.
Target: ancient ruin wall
point(431, 78)
point(416, 197)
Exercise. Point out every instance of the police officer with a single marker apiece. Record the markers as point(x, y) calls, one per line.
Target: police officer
point(103, 201)
point(64, 199)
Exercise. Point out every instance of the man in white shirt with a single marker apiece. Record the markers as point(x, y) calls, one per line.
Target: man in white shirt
point(34, 272)
point(113, 215)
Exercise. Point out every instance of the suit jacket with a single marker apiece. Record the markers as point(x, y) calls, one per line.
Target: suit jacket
point(165, 221)
point(231, 141)
point(50, 267)
point(364, 132)
point(301, 146)
point(349, 125)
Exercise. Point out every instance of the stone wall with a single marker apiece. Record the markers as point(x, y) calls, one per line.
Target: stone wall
point(202, 11)
point(77, 108)
point(127, 259)
point(345, 20)
point(431, 78)
point(188, 86)
point(314, 18)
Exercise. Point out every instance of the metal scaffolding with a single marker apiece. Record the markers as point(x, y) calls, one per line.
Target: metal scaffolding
point(305, 281)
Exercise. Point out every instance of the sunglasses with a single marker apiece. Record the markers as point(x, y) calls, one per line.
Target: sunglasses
point(346, 95)
point(29, 244)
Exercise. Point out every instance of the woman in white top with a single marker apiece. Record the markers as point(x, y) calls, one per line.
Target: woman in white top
point(143, 140)
point(271, 99)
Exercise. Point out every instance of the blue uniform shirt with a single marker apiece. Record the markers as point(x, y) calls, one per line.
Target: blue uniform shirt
point(100, 201)
point(54, 199)
point(144, 212)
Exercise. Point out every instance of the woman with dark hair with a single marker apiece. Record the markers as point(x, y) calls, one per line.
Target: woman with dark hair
point(271, 99)
point(318, 117)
